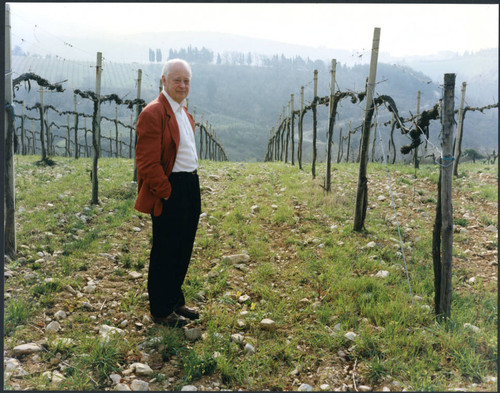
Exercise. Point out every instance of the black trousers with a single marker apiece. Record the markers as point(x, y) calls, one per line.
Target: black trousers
point(173, 237)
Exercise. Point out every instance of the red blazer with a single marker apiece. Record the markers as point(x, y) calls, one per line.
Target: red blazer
point(157, 145)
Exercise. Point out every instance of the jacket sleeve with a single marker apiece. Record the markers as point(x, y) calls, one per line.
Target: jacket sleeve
point(149, 151)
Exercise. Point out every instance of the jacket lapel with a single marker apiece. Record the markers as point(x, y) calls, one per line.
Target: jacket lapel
point(172, 121)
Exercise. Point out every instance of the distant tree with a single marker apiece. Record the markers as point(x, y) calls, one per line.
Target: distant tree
point(219, 60)
point(473, 154)
point(158, 55)
point(151, 55)
point(206, 56)
point(249, 59)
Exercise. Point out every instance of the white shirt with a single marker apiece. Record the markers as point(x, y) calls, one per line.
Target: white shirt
point(187, 158)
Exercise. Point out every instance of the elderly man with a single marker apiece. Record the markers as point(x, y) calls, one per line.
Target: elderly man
point(169, 190)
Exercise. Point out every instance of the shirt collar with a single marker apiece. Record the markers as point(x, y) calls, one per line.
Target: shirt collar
point(174, 104)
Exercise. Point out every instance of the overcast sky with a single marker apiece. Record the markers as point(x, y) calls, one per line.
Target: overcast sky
point(406, 29)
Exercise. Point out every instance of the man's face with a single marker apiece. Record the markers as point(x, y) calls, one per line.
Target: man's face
point(177, 82)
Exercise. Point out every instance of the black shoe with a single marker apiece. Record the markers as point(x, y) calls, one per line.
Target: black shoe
point(172, 320)
point(188, 312)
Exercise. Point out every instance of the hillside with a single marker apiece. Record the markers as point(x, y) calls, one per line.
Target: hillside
point(270, 245)
point(244, 102)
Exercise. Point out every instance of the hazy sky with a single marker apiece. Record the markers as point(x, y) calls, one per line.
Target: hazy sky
point(406, 29)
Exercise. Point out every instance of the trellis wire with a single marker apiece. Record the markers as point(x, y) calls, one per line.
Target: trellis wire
point(393, 204)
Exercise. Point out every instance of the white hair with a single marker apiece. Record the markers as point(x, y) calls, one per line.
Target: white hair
point(168, 65)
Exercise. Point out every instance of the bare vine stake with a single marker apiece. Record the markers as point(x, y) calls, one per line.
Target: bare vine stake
point(96, 131)
point(292, 115)
point(287, 126)
point(392, 146)
point(68, 145)
point(460, 127)
point(299, 152)
point(446, 191)
point(314, 109)
point(206, 140)
point(415, 151)
point(77, 150)
point(283, 126)
point(116, 131)
point(42, 127)
point(330, 127)
point(23, 146)
point(340, 152)
point(348, 142)
point(137, 112)
point(374, 139)
point(362, 193)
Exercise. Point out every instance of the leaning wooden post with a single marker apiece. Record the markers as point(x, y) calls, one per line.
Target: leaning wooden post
point(362, 193)
point(458, 139)
point(96, 132)
point(315, 131)
point(137, 112)
point(9, 180)
point(448, 119)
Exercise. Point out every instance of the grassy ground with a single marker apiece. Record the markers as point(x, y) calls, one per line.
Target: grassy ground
point(308, 272)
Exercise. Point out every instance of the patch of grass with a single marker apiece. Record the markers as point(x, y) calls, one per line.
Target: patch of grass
point(196, 366)
point(17, 312)
point(102, 357)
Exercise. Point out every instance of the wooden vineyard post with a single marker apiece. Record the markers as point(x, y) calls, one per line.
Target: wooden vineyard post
point(23, 145)
point(287, 127)
point(292, 126)
point(206, 141)
point(392, 146)
point(76, 127)
point(315, 131)
point(96, 132)
point(460, 127)
point(299, 152)
point(415, 151)
point(446, 193)
point(131, 135)
point(201, 137)
point(362, 192)
point(340, 152)
point(116, 131)
point(42, 127)
point(68, 140)
point(137, 112)
point(374, 139)
point(9, 180)
point(330, 127)
point(348, 142)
